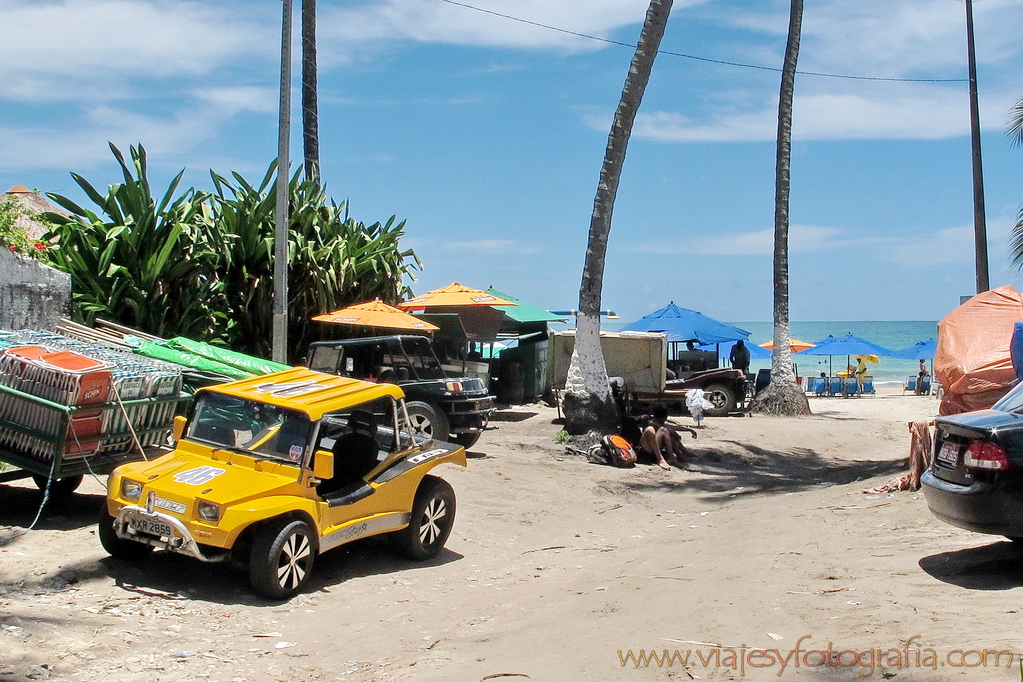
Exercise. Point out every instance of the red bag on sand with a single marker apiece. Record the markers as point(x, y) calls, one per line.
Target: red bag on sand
point(973, 362)
point(619, 452)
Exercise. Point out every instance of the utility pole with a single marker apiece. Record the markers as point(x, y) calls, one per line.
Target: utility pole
point(280, 319)
point(979, 219)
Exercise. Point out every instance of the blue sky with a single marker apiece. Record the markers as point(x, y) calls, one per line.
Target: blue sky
point(487, 135)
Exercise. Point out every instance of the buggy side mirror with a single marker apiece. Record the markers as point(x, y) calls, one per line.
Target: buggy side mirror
point(323, 465)
point(178, 429)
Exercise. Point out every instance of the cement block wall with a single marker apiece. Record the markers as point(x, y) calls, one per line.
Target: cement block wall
point(32, 295)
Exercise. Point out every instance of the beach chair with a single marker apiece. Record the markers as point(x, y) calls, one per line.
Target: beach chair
point(925, 386)
point(868, 384)
point(835, 385)
point(850, 386)
point(909, 385)
point(820, 386)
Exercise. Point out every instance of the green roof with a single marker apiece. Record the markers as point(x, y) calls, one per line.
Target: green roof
point(523, 312)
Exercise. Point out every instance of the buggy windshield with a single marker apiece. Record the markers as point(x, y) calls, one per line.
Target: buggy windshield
point(266, 431)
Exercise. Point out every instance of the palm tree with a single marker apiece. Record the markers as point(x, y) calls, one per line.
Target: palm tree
point(783, 395)
point(1015, 135)
point(588, 402)
point(310, 123)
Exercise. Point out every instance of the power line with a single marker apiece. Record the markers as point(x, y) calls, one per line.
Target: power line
point(703, 59)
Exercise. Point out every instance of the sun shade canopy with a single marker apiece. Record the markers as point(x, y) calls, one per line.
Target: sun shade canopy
point(454, 295)
point(376, 314)
point(681, 324)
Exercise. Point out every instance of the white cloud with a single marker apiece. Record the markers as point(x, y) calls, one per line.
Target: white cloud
point(802, 238)
point(491, 246)
point(93, 49)
point(433, 21)
point(906, 112)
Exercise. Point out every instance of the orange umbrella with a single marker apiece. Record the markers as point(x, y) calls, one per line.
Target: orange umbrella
point(454, 295)
point(376, 314)
point(794, 344)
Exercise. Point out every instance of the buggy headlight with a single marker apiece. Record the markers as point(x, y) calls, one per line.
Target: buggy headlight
point(130, 490)
point(208, 511)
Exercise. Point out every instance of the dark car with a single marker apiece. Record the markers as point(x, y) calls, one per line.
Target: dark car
point(439, 405)
point(975, 480)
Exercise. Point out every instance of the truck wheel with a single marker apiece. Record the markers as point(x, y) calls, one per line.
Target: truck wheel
point(282, 558)
point(722, 397)
point(467, 440)
point(127, 550)
point(427, 420)
point(60, 487)
point(433, 514)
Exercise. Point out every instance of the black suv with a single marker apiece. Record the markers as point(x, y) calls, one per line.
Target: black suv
point(440, 407)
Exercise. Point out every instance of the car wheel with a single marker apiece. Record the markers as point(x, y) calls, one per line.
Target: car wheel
point(60, 487)
point(433, 515)
point(427, 420)
point(281, 559)
point(722, 397)
point(127, 550)
point(467, 440)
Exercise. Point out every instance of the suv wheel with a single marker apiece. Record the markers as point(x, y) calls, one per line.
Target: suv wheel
point(427, 420)
point(433, 515)
point(282, 558)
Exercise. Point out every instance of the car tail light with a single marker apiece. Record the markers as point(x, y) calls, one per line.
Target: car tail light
point(982, 454)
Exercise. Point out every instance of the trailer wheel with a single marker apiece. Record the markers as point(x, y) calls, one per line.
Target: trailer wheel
point(60, 487)
point(722, 397)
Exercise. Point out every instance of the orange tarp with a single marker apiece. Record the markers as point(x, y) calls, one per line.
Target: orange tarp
point(973, 361)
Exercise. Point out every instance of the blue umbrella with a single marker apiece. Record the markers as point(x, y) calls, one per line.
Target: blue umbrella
point(687, 325)
point(846, 345)
point(922, 350)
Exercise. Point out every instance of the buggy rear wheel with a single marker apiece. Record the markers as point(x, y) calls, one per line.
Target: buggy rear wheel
point(433, 515)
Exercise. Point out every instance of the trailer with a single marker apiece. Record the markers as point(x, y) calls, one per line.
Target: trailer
point(640, 359)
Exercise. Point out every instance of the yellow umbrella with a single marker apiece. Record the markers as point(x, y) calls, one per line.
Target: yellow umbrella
point(794, 344)
point(376, 314)
point(454, 295)
point(869, 359)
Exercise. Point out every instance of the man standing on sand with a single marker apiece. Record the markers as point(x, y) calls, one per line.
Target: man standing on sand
point(920, 377)
point(739, 357)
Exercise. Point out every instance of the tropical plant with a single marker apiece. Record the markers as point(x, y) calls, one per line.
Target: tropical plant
point(201, 265)
point(1015, 135)
point(334, 259)
point(14, 236)
point(783, 395)
point(142, 262)
point(588, 402)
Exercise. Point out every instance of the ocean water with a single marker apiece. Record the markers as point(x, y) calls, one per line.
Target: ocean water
point(891, 335)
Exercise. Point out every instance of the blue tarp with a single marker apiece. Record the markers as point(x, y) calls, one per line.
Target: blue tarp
point(681, 324)
point(922, 350)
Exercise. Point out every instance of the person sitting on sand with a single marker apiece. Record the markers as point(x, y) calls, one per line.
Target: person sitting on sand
point(659, 439)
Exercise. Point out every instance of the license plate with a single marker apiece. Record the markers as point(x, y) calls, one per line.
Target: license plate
point(141, 524)
point(949, 453)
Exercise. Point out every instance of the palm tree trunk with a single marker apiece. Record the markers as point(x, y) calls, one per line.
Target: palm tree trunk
point(783, 395)
point(589, 405)
point(310, 123)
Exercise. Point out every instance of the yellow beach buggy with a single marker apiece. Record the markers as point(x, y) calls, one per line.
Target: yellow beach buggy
point(270, 471)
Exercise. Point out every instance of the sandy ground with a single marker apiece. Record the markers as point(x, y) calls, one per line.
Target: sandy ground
point(556, 569)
